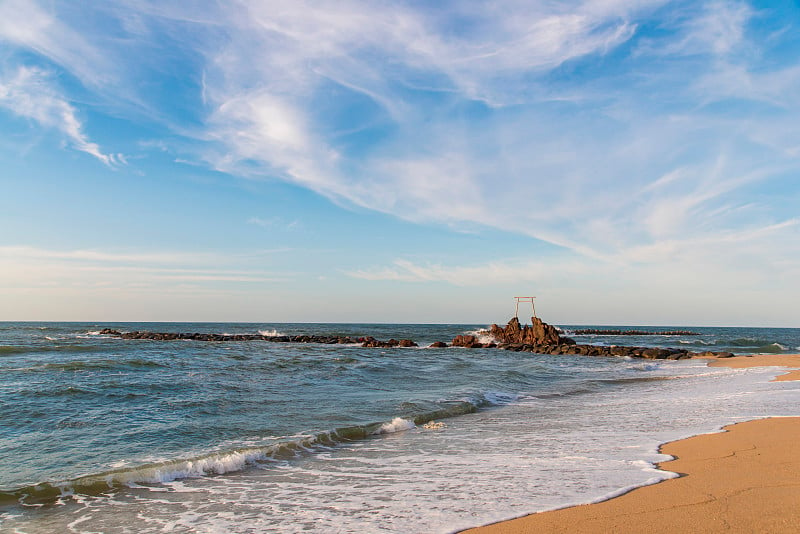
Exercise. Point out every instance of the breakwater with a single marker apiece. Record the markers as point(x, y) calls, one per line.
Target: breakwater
point(650, 353)
point(605, 332)
point(364, 341)
point(512, 338)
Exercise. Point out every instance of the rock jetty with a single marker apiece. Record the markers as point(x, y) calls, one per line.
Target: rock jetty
point(539, 338)
point(605, 332)
point(367, 341)
point(614, 350)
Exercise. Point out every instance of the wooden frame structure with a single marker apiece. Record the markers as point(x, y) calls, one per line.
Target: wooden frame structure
point(525, 299)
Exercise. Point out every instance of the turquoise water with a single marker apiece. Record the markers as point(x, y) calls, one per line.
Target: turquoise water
point(114, 433)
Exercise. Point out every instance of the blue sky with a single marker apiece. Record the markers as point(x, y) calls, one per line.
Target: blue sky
point(627, 162)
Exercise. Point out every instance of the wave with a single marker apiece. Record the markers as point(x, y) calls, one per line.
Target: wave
point(398, 424)
point(752, 345)
point(748, 342)
point(632, 380)
point(271, 333)
point(741, 345)
point(61, 391)
point(13, 349)
point(772, 348)
point(482, 335)
point(221, 462)
point(92, 364)
point(7, 350)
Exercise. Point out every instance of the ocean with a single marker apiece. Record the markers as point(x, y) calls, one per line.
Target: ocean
point(100, 434)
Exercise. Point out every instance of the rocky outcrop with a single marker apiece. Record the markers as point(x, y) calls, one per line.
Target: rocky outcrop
point(538, 333)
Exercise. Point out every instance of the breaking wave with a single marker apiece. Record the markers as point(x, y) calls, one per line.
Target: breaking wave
point(271, 333)
point(221, 462)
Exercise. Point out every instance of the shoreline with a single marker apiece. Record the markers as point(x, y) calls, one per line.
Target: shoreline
point(745, 478)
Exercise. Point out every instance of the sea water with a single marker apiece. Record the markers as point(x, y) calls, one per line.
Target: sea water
point(99, 434)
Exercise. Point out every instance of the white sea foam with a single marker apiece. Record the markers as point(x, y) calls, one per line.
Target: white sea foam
point(213, 464)
point(482, 335)
point(398, 424)
point(527, 456)
point(271, 333)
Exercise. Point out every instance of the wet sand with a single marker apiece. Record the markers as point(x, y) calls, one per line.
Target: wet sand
point(763, 360)
point(743, 480)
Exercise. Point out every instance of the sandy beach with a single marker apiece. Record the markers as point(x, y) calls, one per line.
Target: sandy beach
point(745, 479)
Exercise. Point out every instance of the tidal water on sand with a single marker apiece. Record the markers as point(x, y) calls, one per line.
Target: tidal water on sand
point(101, 434)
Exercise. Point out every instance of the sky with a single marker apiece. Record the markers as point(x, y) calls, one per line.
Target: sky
point(625, 162)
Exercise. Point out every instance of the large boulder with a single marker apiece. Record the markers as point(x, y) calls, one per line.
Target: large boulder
point(464, 340)
point(542, 333)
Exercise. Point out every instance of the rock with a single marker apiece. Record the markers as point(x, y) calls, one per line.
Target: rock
point(656, 354)
point(438, 345)
point(464, 340)
point(542, 332)
point(109, 332)
point(725, 355)
point(539, 333)
point(407, 343)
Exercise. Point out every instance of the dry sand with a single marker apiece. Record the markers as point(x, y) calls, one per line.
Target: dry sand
point(744, 480)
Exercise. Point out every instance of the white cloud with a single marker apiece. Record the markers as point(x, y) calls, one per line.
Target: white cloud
point(733, 259)
point(102, 284)
point(30, 93)
point(560, 177)
point(274, 222)
point(627, 132)
point(25, 23)
point(23, 266)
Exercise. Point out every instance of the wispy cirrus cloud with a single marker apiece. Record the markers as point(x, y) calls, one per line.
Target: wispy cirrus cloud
point(274, 222)
point(30, 93)
point(569, 162)
point(620, 131)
